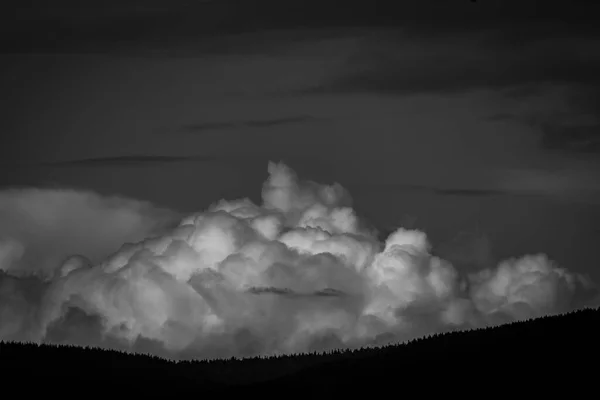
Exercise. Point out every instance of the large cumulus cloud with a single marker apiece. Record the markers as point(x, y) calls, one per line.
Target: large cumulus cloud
point(300, 272)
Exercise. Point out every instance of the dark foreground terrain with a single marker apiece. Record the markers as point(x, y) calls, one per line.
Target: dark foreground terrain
point(550, 355)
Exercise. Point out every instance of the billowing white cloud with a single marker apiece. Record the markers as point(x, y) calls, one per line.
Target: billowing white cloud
point(528, 287)
point(297, 273)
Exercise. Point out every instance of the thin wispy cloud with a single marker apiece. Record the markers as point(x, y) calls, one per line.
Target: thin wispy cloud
point(465, 192)
point(456, 191)
point(387, 64)
point(524, 74)
point(576, 184)
point(158, 22)
point(247, 124)
point(568, 186)
point(126, 161)
point(580, 139)
point(571, 131)
point(469, 192)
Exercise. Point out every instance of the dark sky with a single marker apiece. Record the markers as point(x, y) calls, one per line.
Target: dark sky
point(462, 113)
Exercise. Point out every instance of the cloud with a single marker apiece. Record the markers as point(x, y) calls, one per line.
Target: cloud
point(299, 272)
point(20, 299)
point(249, 124)
point(469, 192)
point(567, 121)
point(576, 184)
point(40, 228)
point(439, 191)
point(125, 161)
point(267, 26)
point(524, 288)
point(576, 139)
point(385, 63)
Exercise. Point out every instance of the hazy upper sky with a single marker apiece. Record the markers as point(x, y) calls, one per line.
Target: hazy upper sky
point(183, 103)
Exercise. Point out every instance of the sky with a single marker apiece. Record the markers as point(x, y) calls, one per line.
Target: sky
point(473, 122)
